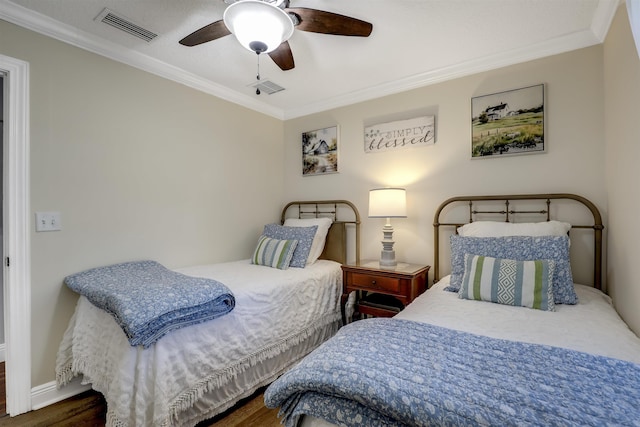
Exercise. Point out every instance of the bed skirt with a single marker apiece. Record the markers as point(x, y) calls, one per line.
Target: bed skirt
point(223, 389)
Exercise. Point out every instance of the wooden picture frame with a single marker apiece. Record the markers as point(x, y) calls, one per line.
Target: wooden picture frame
point(320, 151)
point(508, 123)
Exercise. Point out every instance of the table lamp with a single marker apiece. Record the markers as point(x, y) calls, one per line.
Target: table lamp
point(387, 203)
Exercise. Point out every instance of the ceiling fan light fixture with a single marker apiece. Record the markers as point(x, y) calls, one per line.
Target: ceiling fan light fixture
point(259, 26)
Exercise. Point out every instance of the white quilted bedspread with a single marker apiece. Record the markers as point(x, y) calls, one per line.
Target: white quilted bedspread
point(275, 310)
point(592, 326)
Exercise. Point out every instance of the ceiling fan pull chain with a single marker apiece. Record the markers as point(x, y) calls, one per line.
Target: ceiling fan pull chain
point(258, 75)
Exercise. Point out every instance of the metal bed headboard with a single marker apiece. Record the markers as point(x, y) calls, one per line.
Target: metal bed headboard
point(344, 215)
point(508, 213)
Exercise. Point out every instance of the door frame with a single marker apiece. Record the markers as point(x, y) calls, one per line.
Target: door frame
point(16, 238)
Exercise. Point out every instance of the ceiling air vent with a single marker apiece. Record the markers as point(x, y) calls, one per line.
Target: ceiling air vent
point(120, 22)
point(266, 86)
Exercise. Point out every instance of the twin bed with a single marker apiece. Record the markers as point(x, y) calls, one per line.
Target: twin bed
point(196, 372)
point(480, 358)
point(505, 339)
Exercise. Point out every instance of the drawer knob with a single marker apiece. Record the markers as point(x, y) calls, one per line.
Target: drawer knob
point(373, 282)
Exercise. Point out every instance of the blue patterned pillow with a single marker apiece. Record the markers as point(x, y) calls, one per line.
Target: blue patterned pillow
point(519, 248)
point(273, 252)
point(509, 282)
point(304, 236)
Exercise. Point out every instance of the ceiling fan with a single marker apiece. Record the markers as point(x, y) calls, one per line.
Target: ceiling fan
point(264, 26)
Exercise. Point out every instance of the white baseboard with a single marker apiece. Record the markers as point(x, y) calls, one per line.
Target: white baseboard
point(3, 352)
point(48, 394)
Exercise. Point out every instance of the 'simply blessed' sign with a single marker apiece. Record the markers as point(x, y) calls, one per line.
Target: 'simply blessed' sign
point(414, 132)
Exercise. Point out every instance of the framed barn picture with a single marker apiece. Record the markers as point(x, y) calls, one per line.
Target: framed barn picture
point(508, 123)
point(320, 151)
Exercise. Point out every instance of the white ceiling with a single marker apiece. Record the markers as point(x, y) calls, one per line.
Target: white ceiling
point(414, 43)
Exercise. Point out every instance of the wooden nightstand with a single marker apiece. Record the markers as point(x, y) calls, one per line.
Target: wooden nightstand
point(405, 282)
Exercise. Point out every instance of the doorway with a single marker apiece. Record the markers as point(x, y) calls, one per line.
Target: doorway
point(16, 259)
point(2, 341)
point(3, 390)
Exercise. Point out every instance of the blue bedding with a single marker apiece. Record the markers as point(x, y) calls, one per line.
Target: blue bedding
point(392, 372)
point(148, 300)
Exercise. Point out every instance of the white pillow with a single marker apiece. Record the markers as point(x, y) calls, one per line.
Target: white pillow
point(503, 229)
point(320, 237)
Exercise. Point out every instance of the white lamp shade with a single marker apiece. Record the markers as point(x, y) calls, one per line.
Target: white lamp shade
point(388, 203)
point(256, 21)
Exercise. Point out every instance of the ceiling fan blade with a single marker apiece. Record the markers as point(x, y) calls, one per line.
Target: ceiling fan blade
point(205, 34)
point(282, 56)
point(320, 21)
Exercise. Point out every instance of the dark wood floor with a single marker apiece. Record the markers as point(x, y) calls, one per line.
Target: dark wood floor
point(89, 409)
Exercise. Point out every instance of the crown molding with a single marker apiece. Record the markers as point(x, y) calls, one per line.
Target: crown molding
point(603, 17)
point(42, 24)
point(487, 63)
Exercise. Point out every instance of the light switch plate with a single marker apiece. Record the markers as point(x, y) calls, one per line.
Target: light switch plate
point(48, 221)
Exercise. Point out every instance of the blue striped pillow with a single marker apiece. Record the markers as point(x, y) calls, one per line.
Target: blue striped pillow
point(304, 236)
point(273, 252)
point(520, 248)
point(509, 282)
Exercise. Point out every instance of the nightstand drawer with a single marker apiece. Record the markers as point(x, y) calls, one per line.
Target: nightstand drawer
point(380, 283)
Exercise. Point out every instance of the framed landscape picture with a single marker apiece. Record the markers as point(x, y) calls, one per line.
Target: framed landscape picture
point(508, 123)
point(320, 151)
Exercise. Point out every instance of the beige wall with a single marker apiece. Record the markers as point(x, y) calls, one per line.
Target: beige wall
point(139, 167)
point(622, 94)
point(431, 174)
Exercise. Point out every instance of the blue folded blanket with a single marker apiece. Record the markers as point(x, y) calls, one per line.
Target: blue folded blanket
point(148, 300)
point(392, 372)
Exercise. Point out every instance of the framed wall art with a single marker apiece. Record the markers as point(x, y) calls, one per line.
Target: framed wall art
point(320, 151)
point(508, 123)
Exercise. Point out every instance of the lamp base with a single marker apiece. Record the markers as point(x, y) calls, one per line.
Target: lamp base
point(387, 255)
point(388, 259)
